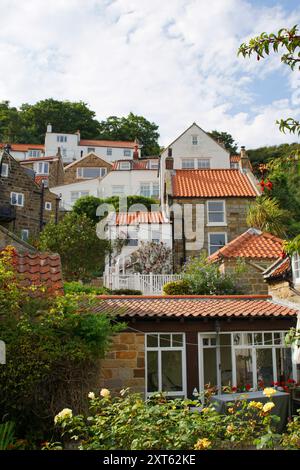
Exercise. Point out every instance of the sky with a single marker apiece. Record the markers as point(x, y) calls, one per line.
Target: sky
point(172, 61)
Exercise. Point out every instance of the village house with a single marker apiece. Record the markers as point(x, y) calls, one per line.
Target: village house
point(23, 151)
point(257, 250)
point(25, 206)
point(180, 344)
point(283, 278)
point(49, 171)
point(90, 166)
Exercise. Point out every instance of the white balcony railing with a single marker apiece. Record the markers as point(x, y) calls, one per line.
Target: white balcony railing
point(148, 284)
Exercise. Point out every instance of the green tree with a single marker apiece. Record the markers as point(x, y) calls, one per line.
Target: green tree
point(74, 238)
point(10, 123)
point(130, 128)
point(65, 116)
point(266, 215)
point(226, 139)
point(264, 155)
point(88, 204)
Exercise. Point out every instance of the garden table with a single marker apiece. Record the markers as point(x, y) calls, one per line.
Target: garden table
point(280, 399)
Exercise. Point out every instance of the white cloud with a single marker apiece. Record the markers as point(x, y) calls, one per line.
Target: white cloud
point(173, 62)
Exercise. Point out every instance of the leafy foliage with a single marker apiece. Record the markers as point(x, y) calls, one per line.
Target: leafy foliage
point(75, 239)
point(205, 278)
point(130, 128)
point(226, 139)
point(74, 287)
point(152, 257)
point(53, 349)
point(180, 287)
point(266, 215)
point(127, 422)
point(7, 435)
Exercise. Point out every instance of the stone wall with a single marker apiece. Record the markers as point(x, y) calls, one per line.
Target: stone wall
point(250, 278)
point(90, 161)
point(236, 213)
point(124, 364)
point(282, 290)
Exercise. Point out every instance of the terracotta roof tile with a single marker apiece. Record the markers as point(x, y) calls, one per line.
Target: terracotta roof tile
point(193, 306)
point(23, 147)
point(134, 218)
point(251, 244)
point(40, 269)
point(212, 183)
point(141, 164)
point(280, 269)
point(37, 159)
point(235, 158)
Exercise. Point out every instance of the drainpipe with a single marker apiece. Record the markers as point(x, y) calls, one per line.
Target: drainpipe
point(183, 239)
point(218, 355)
point(42, 207)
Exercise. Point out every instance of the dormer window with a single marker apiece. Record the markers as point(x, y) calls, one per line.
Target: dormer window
point(91, 172)
point(34, 153)
point(194, 139)
point(124, 166)
point(42, 168)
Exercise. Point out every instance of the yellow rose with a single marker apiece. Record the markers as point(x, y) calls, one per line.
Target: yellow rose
point(255, 404)
point(269, 392)
point(91, 396)
point(205, 410)
point(230, 410)
point(105, 393)
point(202, 444)
point(62, 415)
point(268, 406)
point(230, 429)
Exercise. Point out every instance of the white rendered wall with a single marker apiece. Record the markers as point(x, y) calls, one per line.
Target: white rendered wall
point(130, 179)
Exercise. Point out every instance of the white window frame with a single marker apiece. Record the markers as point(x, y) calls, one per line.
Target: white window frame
point(80, 194)
point(80, 172)
point(296, 268)
point(124, 166)
point(146, 184)
point(4, 170)
point(91, 150)
point(153, 165)
point(24, 231)
point(155, 196)
point(216, 224)
point(215, 233)
point(253, 348)
point(44, 166)
point(202, 160)
point(48, 206)
point(158, 348)
point(19, 204)
point(185, 160)
point(61, 138)
point(150, 184)
point(126, 152)
point(195, 140)
point(109, 151)
point(33, 153)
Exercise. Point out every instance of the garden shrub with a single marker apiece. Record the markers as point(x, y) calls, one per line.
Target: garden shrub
point(74, 287)
point(127, 422)
point(53, 348)
point(126, 292)
point(180, 287)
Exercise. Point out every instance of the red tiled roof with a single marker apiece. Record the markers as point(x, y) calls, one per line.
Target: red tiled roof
point(134, 218)
point(37, 159)
point(135, 164)
point(23, 147)
point(38, 179)
point(212, 183)
point(251, 244)
point(239, 306)
point(40, 269)
point(279, 269)
point(108, 143)
point(235, 158)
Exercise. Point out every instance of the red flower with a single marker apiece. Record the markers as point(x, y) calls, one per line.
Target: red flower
point(234, 389)
point(286, 389)
point(247, 386)
point(291, 381)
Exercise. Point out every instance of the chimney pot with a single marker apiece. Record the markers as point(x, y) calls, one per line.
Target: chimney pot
point(49, 128)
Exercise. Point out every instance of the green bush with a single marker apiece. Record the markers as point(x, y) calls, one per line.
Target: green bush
point(79, 288)
point(126, 292)
point(180, 287)
point(127, 422)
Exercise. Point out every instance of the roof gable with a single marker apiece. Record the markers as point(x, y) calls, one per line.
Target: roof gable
point(86, 157)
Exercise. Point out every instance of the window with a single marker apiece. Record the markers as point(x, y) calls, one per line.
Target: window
point(188, 163)
point(34, 153)
point(91, 172)
point(109, 151)
point(149, 189)
point(254, 358)
point(42, 168)
point(216, 212)
point(91, 150)
point(203, 163)
point(45, 182)
point(17, 199)
point(61, 138)
point(153, 164)
point(24, 234)
point(155, 235)
point(234, 165)
point(127, 153)
point(117, 190)
point(216, 241)
point(48, 206)
point(4, 170)
point(296, 267)
point(124, 166)
point(77, 194)
point(132, 236)
point(165, 364)
point(194, 139)
point(145, 189)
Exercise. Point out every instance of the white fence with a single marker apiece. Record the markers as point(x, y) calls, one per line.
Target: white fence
point(149, 284)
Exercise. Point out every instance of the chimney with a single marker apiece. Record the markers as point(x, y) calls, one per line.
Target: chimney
point(169, 160)
point(244, 162)
point(136, 150)
point(49, 128)
point(7, 148)
point(58, 154)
